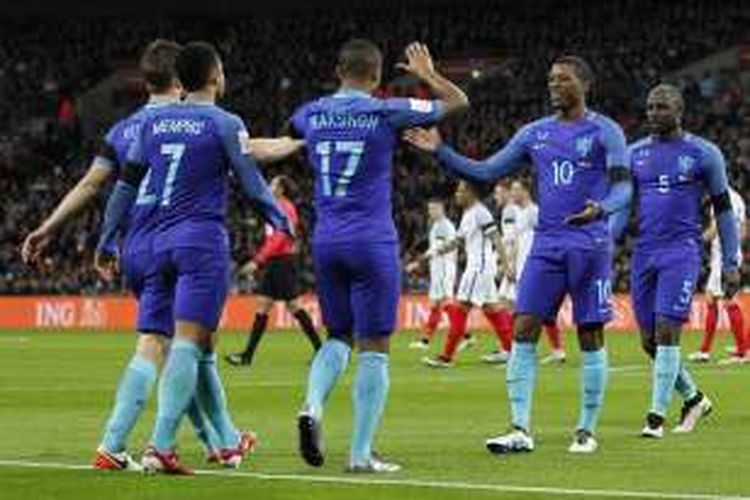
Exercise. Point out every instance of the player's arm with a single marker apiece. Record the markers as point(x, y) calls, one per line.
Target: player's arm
point(88, 187)
point(620, 181)
point(503, 163)
point(419, 63)
point(715, 180)
point(253, 184)
point(448, 246)
point(269, 150)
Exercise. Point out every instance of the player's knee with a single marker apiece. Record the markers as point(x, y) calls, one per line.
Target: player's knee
point(195, 332)
point(265, 304)
point(667, 331)
point(293, 306)
point(379, 343)
point(648, 344)
point(591, 336)
point(345, 337)
point(526, 328)
point(153, 347)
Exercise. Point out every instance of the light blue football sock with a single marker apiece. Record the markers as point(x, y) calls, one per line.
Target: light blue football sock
point(369, 393)
point(213, 400)
point(666, 370)
point(521, 373)
point(203, 428)
point(594, 366)
point(132, 393)
point(327, 367)
point(176, 389)
point(685, 385)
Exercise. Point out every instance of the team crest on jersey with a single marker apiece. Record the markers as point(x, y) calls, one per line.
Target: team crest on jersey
point(584, 145)
point(686, 164)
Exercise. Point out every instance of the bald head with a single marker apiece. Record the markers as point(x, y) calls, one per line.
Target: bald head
point(664, 109)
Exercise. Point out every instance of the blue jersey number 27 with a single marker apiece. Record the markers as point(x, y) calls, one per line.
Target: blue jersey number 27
point(173, 152)
point(326, 149)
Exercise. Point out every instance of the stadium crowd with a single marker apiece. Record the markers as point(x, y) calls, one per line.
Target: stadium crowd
point(274, 64)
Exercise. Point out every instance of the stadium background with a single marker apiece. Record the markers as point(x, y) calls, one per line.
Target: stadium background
point(63, 82)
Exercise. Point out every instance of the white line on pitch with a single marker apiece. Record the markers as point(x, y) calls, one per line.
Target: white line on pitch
point(413, 483)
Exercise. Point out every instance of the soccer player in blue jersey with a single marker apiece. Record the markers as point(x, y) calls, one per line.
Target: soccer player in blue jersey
point(350, 138)
point(179, 164)
point(579, 158)
point(671, 171)
point(157, 66)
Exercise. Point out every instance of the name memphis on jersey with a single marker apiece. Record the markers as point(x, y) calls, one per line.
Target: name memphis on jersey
point(178, 126)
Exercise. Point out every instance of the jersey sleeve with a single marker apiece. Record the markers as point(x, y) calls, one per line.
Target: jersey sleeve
point(106, 154)
point(486, 222)
point(404, 112)
point(714, 170)
point(503, 163)
point(298, 122)
point(233, 135)
point(615, 145)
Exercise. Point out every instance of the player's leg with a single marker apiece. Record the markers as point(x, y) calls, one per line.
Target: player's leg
point(334, 291)
point(260, 323)
point(540, 293)
point(713, 294)
point(202, 280)
point(458, 315)
point(589, 284)
point(737, 324)
point(433, 320)
point(133, 391)
point(375, 298)
point(497, 314)
point(305, 322)
point(554, 335)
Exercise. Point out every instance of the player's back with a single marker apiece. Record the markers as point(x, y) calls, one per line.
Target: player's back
point(669, 177)
point(117, 143)
point(351, 137)
point(184, 147)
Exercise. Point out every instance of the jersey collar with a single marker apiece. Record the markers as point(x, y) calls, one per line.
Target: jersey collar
point(350, 92)
point(160, 100)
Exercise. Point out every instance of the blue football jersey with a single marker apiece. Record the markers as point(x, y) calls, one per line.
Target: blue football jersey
point(351, 137)
point(570, 162)
point(670, 178)
point(189, 149)
point(117, 143)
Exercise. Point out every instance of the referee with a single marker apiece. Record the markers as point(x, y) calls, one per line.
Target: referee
point(278, 282)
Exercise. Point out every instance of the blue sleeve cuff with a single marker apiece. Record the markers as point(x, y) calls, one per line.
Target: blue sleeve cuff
point(618, 197)
point(118, 206)
point(730, 241)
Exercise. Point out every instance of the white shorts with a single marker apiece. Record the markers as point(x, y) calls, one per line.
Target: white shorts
point(478, 288)
point(713, 285)
point(442, 285)
point(508, 290)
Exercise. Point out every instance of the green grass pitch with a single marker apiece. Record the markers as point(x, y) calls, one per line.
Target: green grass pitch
point(56, 391)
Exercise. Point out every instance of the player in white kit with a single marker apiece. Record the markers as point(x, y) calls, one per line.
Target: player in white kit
point(714, 294)
point(518, 221)
point(442, 270)
point(479, 235)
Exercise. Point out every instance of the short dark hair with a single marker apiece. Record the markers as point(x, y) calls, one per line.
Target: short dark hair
point(582, 69)
point(158, 63)
point(359, 58)
point(480, 189)
point(195, 63)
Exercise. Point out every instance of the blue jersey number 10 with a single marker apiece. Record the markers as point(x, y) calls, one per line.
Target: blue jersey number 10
point(353, 150)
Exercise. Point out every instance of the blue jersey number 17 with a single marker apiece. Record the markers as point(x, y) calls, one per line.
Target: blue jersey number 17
point(353, 151)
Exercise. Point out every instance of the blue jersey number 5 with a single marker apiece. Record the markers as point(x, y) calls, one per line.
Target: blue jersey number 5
point(354, 150)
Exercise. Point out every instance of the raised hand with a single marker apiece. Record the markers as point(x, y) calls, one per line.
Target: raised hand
point(418, 61)
point(425, 139)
